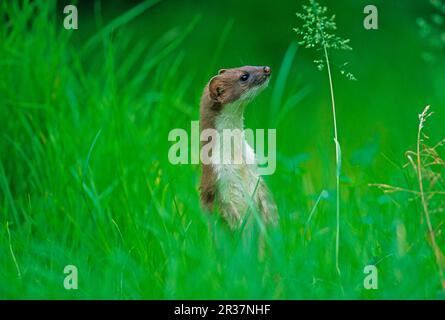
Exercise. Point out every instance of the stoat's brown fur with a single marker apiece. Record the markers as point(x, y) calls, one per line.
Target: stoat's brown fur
point(233, 188)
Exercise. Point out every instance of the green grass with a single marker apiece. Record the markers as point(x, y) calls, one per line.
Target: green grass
point(85, 179)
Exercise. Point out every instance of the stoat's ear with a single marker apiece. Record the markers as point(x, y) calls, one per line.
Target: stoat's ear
point(221, 71)
point(215, 88)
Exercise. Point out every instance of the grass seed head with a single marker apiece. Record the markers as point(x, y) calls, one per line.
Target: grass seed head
point(318, 31)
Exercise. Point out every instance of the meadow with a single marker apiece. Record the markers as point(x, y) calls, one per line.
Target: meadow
point(85, 178)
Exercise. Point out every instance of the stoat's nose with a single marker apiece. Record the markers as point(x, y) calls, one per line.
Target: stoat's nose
point(267, 70)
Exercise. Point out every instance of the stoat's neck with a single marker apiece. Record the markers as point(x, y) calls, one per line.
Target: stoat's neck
point(231, 117)
point(232, 143)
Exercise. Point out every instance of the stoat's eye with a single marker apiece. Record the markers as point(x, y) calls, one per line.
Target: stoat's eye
point(244, 77)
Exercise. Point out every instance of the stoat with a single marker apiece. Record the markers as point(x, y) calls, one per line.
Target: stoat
point(234, 187)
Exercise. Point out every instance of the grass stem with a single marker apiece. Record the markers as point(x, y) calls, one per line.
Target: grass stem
point(436, 249)
point(338, 163)
point(19, 274)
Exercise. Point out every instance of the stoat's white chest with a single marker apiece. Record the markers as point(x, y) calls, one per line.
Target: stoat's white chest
point(233, 158)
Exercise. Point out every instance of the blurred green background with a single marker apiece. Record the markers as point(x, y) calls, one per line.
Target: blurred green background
point(84, 174)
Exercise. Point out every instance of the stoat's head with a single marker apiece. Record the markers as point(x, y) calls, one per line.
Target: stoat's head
point(243, 83)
